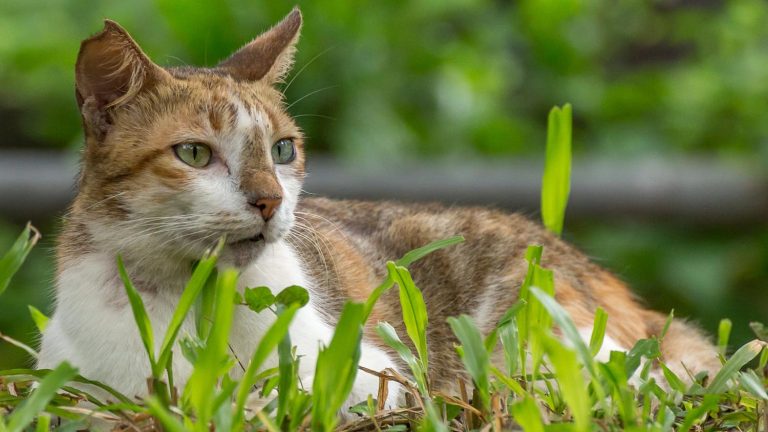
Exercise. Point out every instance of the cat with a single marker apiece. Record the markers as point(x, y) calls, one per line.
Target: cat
point(174, 158)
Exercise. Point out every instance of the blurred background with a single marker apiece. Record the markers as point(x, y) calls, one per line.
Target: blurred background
point(447, 100)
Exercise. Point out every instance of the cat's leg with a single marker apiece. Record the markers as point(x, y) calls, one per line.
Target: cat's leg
point(686, 350)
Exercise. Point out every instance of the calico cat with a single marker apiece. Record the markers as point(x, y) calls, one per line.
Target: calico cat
point(175, 158)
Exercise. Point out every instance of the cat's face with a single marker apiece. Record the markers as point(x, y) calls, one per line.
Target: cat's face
point(177, 158)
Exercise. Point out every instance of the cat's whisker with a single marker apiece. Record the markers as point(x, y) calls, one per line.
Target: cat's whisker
point(312, 60)
point(308, 95)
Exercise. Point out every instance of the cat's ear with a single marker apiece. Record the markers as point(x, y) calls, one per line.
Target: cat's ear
point(269, 57)
point(111, 69)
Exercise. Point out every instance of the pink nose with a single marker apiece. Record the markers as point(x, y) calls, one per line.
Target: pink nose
point(267, 206)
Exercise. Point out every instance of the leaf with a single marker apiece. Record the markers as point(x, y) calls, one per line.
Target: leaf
point(212, 363)
point(598, 331)
point(709, 402)
point(648, 348)
point(406, 260)
point(41, 321)
point(266, 346)
point(570, 381)
point(753, 383)
point(414, 310)
point(38, 400)
point(738, 360)
point(336, 368)
point(293, 294)
point(259, 298)
point(417, 254)
point(139, 315)
point(16, 255)
point(186, 301)
point(475, 356)
point(723, 335)
point(556, 183)
point(389, 335)
point(527, 414)
point(761, 331)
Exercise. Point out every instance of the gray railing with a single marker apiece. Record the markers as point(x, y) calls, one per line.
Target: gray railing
point(36, 185)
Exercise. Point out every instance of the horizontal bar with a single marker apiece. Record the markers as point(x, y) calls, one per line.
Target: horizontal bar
point(35, 185)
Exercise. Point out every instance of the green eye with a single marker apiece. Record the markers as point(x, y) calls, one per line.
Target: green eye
point(284, 151)
point(193, 154)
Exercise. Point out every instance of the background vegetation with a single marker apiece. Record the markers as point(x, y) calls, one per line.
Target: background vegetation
point(451, 80)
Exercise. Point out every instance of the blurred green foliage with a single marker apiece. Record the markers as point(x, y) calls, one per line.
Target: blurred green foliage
point(449, 78)
point(455, 79)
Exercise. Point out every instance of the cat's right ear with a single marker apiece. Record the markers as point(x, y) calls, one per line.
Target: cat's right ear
point(111, 69)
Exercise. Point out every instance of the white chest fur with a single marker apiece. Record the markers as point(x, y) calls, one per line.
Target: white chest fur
point(93, 327)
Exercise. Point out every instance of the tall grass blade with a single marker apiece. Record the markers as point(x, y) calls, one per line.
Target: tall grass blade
point(41, 321)
point(337, 368)
point(213, 362)
point(474, 355)
point(526, 413)
point(738, 360)
point(186, 301)
point(406, 260)
point(388, 334)
point(40, 397)
point(570, 381)
point(417, 254)
point(556, 184)
point(16, 255)
point(598, 331)
point(723, 335)
point(414, 310)
point(139, 315)
point(266, 346)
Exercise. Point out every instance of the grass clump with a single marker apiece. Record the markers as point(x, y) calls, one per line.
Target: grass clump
point(546, 383)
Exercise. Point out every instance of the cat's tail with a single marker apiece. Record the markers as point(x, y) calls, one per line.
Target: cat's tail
point(685, 349)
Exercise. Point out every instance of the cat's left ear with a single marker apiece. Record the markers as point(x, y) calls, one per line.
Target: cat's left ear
point(269, 57)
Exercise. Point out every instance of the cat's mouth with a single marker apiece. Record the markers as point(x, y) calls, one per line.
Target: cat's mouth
point(255, 239)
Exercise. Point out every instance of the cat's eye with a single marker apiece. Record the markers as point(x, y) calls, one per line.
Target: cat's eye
point(193, 154)
point(284, 151)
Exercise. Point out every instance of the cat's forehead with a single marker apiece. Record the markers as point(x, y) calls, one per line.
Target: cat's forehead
point(223, 101)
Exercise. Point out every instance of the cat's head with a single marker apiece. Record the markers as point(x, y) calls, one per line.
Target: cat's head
point(177, 157)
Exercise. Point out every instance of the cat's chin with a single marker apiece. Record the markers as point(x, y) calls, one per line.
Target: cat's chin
point(243, 252)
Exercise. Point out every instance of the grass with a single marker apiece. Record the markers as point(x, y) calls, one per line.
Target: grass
point(545, 383)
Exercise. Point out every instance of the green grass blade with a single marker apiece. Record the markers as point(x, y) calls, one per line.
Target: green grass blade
point(14, 258)
point(204, 307)
point(723, 335)
point(266, 346)
point(139, 315)
point(169, 421)
point(38, 400)
point(527, 414)
point(417, 254)
point(406, 260)
point(186, 301)
point(474, 356)
point(388, 334)
point(598, 331)
point(570, 381)
point(709, 402)
point(753, 384)
point(212, 362)
point(414, 310)
point(41, 321)
point(738, 360)
point(556, 183)
point(43, 423)
point(337, 368)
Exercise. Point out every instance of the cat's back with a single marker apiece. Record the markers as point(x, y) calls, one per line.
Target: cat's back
point(480, 276)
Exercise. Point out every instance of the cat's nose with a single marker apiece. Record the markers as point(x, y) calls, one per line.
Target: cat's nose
point(267, 206)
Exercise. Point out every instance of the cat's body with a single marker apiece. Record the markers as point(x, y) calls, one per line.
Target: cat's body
point(176, 158)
